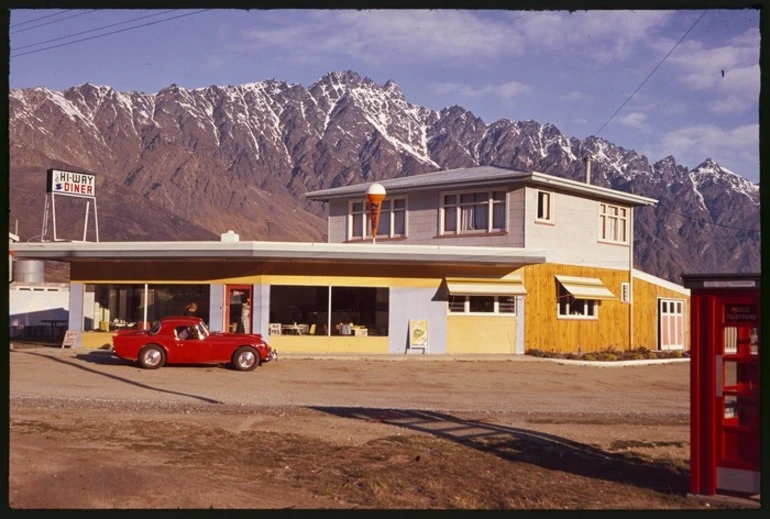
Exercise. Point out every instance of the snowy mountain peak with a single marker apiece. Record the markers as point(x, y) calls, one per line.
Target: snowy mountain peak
point(288, 139)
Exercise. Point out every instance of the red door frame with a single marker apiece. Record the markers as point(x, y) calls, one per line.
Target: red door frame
point(228, 295)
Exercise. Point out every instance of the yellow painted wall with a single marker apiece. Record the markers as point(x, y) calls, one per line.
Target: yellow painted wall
point(481, 334)
point(96, 340)
point(545, 330)
point(331, 344)
point(645, 296)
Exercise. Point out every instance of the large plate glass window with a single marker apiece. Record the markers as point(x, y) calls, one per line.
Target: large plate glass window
point(117, 306)
point(323, 310)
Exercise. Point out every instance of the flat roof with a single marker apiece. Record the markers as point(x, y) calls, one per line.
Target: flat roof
point(278, 251)
point(482, 176)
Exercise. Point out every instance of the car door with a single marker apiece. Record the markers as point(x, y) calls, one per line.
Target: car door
point(189, 348)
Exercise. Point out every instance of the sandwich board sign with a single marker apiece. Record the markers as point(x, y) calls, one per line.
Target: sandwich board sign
point(70, 339)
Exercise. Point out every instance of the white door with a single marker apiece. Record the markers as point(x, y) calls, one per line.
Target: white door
point(670, 324)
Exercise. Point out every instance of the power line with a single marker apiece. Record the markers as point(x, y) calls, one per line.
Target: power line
point(109, 33)
point(92, 30)
point(651, 73)
point(39, 18)
point(53, 21)
point(706, 221)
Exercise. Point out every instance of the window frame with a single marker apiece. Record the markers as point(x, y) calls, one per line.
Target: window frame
point(387, 217)
point(563, 299)
point(459, 204)
point(467, 306)
point(620, 220)
point(548, 218)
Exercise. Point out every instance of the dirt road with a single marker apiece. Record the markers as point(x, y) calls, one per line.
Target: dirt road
point(91, 431)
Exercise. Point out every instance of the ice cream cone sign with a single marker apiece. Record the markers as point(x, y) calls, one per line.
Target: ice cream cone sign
point(375, 194)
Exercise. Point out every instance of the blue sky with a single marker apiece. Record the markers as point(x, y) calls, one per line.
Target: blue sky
point(574, 70)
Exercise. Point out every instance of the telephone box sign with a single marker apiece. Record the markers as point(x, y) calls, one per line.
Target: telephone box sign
point(734, 283)
point(740, 313)
point(71, 183)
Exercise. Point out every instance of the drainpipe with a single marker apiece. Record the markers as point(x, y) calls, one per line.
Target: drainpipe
point(631, 278)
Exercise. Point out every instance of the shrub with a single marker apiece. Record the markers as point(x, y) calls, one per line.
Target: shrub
point(637, 356)
point(589, 356)
point(535, 352)
point(652, 355)
point(676, 354)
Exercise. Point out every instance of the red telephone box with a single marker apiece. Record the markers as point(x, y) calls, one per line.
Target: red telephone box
point(725, 354)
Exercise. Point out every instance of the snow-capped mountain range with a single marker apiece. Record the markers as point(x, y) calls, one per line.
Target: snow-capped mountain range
point(190, 164)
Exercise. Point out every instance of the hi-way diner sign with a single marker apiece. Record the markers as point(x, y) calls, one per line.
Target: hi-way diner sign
point(71, 183)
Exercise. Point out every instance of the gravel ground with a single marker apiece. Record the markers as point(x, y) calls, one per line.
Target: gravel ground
point(96, 417)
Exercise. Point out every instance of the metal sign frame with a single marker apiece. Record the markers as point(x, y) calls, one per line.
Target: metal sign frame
point(72, 184)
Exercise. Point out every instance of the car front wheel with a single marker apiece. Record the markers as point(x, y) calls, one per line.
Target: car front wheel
point(152, 357)
point(245, 358)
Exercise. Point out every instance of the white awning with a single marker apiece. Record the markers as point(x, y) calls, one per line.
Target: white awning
point(585, 288)
point(511, 285)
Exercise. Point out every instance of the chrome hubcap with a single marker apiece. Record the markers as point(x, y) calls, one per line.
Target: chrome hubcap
point(152, 357)
point(246, 359)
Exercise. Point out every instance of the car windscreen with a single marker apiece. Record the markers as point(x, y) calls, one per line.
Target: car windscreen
point(203, 331)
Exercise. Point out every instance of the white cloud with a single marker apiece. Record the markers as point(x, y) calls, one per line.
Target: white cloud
point(386, 35)
point(505, 91)
point(603, 36)
point(731, 104)
point(464, 36)
point(692, 144)
point(636, 120)
point(731, 70)
point(576, 96)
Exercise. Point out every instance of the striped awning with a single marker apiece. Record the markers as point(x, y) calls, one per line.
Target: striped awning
point(585, 288)
point(511, 285)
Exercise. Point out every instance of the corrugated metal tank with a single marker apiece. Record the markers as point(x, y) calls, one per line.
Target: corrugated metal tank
point(29, 271)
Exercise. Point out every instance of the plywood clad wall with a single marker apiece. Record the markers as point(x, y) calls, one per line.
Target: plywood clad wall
point(645, 296)
point(337, 221)
point(546, 331)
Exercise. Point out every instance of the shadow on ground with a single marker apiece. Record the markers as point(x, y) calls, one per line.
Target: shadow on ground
point(522, 445)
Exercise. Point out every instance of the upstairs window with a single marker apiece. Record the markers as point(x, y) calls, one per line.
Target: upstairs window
point(473, 212)
point(392, 219)
point(544, 206)
point(613, 223)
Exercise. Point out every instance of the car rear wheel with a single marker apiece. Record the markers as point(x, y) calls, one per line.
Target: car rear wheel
point(152, 357)
point(245, 358)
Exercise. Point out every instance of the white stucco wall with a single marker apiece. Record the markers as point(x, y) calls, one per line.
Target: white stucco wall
point(573, 236)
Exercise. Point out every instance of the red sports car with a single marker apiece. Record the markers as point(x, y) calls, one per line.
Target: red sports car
point(187, 340)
